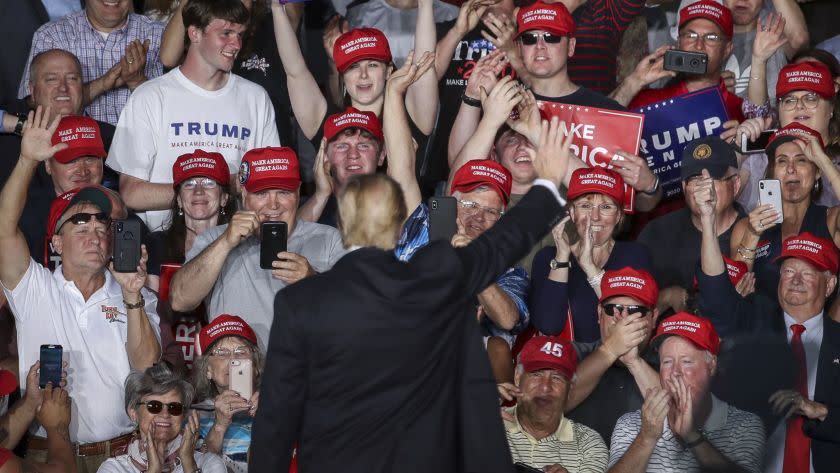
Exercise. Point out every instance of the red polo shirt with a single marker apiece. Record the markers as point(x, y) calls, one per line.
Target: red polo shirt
point(648, 96)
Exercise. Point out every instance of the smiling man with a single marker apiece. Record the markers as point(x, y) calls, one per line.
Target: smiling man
point(200, 104)
point(223, 266)
point(118, 49)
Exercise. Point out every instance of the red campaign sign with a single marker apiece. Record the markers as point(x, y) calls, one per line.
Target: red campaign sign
point(598, 134)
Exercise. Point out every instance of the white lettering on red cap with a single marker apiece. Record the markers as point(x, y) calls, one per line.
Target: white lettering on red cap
point(359, 43)
point(230, 325)
point(541, 14)
point(479, 170)
point(349, 118)
point(598, 179)
point(274, 164)
point(804, 245)
point(671, 325)
point(625, 281)
point(197, 162)
point(704, 9)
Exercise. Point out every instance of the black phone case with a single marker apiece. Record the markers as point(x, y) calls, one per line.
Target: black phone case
point(443, 212)
point(128, 236)
point(50, 370)
point(686, 61)
point(272, 241)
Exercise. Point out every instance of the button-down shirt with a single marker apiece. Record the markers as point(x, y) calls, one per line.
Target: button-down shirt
point(575, 446)
point(97, 52)
point(811, 340)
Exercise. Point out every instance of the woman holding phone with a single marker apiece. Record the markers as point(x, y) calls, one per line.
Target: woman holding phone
point(227, 346)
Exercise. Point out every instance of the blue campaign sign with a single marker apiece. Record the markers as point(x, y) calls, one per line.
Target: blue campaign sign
point(672, 123)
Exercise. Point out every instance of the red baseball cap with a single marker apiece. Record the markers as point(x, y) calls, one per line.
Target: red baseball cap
point(358, 44)
point(709, 10)
point(809, 75)
point(82, 136)
point(554, 18)
point(635, 283)
point(483, 172)
point(554, 353)
point(8, 382)
point(596, 180)
point(353, 118)
point(793, 131)
point(270, 168)
point(60, 204)
point(225, 325)
point(697, 330)
point(819, 252)
point(200, 163)
point(736, 270)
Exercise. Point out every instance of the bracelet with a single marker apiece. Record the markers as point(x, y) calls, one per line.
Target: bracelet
point(700, 439)
point(470, 101)
point(742, 247)
point(136, 305)
point(655, 187)
point(595, 281)
point(19, 126)
point(744, 253)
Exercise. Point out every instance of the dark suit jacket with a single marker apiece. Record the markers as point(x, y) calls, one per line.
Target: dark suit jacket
point(750, 320)
point(378, 365)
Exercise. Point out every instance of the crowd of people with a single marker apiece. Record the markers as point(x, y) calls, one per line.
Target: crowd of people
point(641, 274)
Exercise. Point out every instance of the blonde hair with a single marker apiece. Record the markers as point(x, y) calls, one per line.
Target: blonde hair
point(371, 211)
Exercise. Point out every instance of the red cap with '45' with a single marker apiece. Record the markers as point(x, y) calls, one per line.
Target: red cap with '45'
point(553, 353)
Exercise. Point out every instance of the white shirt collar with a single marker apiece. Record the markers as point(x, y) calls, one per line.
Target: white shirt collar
point(810, 324)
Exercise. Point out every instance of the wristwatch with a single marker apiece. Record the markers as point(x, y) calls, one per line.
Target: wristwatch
point(554, 264)
point(136, 305)
point(470, 101)
point(19, 126)
point(655, 187)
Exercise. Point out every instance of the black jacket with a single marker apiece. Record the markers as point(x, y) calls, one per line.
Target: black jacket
point(750, 321)
point(378, 365)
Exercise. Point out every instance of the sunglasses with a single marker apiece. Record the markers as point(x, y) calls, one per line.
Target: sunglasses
point(530, 39)
point(616, 309)
point(154, 407)
point(84, 217)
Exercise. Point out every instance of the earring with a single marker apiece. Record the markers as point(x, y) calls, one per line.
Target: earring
point(180, 212)
point(222, 212)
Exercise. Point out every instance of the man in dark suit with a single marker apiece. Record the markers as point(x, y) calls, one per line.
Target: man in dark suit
point(808, 438)
point(378, 365)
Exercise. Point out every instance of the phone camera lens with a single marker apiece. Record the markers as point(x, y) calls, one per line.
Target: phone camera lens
point(119, 227)
point(762, 185)
point(434, 205)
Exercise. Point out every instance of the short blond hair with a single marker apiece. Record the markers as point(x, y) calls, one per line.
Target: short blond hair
point(371, 211)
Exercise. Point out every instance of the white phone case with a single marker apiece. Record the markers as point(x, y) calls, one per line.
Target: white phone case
point(770, 192)
point(241, 377)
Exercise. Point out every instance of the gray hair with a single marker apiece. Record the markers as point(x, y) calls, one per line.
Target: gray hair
point(159, 378)
point(205, 387)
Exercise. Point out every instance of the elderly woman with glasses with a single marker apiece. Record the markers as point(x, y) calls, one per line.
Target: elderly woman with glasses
point(228, 343)
point(158, 401)
point(566, 278)
point(202, 200)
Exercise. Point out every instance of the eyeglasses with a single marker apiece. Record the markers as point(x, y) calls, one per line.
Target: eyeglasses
point(472, 208)
point(154, 407)
point(691, 36)
point(790, 102)
point(605, 208)
point(82, 218)
point(203, 182)
point(238, 352)
point(530, 38)
point(616, 309)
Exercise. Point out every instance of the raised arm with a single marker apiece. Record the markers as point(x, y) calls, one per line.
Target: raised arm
point(312, 209)
point(194, 281)
point(469, 14)
point(35, 147)
point(769, 37)
point(399, 145)
point(421, 100)
point(796, 30)
point(649, 70)
point(172, 41)
point(308, 103)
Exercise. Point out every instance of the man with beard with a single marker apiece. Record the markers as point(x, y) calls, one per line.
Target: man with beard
point(538, 434)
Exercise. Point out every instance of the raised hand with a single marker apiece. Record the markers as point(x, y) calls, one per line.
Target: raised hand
point(291, 267)
point(634, 170)
point(553, 152)
point(133, 63)
point(763, 218)
point(626, 333)
point(500, 101)
point(654, 410)
point(529, 121)
point(227, 404)
point(471, 11)
point(323, 183)
point(652, 68)
point(36, 144)
point(485, 73)
point(769, 37)
point(186, 452)
point(154, 450)
point(703, 191)
point(815, 152)
point(681, 416)
point(242, 225)
point(584, 250)
point(561, 242)
point(402, 78)
point(334, 28)
point(502, 32)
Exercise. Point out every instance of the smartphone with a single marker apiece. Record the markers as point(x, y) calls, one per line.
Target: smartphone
point(757, 146)
point(443, 215)
point(272, 241)
point(523, 468)
point(128, 236)
point(50, 371)
point(686, 61)
point(770, 192)
point(241, 377)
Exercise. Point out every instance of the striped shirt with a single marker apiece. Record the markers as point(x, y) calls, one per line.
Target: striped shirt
point(737, 434)
point(98, 54)
point(599, 26)
point(575, 446)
